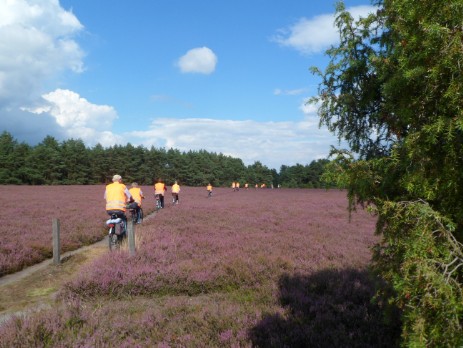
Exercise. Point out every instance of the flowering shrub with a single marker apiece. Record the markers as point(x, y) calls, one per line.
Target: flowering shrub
point(225, 271)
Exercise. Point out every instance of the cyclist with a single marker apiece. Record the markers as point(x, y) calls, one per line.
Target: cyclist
point(159, 189)
point(209, 190)
point(175, 192)
point(137, 195)
point(117, 196)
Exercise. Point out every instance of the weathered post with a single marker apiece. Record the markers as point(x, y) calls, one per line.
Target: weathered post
point(131, 237)
point(56, 242)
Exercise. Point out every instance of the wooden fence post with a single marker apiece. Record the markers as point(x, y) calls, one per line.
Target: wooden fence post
point(56, 242)
point(131, 237)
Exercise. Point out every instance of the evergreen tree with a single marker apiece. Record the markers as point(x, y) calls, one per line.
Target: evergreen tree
point(45, 163)
point(393, 91)
point(76, 162)
point(7, 158)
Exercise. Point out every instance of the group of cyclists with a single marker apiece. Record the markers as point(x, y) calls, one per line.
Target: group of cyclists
point(119, 198)
point(236, 186)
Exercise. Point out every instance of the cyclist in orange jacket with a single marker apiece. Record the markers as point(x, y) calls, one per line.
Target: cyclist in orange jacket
point(209, 190)
point(175, 191)
point(117, 196)
point(159, 189)
point(137, 195)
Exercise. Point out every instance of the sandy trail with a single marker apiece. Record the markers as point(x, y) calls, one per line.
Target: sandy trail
point(35, 287)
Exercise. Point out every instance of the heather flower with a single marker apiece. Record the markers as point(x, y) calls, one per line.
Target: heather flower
point(253, 268)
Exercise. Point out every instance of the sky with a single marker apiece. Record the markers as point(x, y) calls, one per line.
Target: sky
point(228, 77)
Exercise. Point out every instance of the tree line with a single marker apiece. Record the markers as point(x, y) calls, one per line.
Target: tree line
point(70, 162)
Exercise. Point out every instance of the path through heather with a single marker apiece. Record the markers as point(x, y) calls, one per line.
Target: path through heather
point(250, 268)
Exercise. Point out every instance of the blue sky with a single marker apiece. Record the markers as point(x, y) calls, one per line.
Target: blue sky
point(229, 77)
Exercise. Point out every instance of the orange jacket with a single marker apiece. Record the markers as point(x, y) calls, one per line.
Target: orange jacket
point(209, 187)
point(175, 188)
point(159, 188)
point(136, 194)
point(115, 196)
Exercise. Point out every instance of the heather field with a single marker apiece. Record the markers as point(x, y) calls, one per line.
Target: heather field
point(263, 268)
point(27, 215)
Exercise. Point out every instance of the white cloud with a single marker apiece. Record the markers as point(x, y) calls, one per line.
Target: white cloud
point(272, 143)
point(70, 110)
point(315, 35)
point(278, 91)
point(36, 44)
point(198, 60)
point(309, 110)
point(79, 118)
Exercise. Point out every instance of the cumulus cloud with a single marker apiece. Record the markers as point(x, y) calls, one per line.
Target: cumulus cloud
point(36, 44)
point(272, 143)
point(310, 36)
point(78, 117)
point(198, 60)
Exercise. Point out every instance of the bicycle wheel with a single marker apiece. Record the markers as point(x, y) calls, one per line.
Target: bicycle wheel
point(134, 215)
point(158, 202)
point(113, 243)
point(141, 215)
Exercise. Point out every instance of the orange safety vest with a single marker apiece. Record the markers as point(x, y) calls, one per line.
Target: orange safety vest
point(159, 188)
point(175, 188)
point(209, 187)
point(115, 196)
point(136, 194)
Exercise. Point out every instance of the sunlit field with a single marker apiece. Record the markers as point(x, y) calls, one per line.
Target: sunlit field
point(27, 215)
point(264, 267)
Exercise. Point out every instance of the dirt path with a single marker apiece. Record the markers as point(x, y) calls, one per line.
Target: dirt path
point(36, 286)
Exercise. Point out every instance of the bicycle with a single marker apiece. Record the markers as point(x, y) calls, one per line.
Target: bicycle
point(136, 218)
point(157, 198)
point(116, 232)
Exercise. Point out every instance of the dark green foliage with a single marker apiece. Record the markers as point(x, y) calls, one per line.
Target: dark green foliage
point(393, 91)
point(423, 261)
point(71, 163)
point(12, 158)
point(307, 176)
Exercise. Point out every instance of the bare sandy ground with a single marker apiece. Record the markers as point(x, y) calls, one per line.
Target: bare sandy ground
point(35, 287)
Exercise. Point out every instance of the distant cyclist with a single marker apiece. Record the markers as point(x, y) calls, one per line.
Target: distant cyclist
point(117, 196)
point(175, 192)
point(209, 190)
point(159, 189)
point(137, 195)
